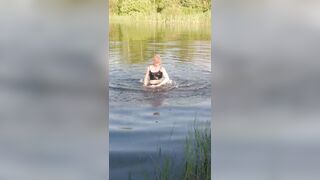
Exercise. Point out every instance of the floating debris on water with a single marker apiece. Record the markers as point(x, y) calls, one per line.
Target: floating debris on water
point(126, 128)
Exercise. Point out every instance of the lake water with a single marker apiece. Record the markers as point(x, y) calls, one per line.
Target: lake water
point(141, 122)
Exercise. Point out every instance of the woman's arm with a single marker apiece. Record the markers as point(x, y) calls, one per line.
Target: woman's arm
point(165, 76)
point(146, 77)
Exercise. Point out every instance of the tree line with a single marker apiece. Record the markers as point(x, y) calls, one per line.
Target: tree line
point(164, 7)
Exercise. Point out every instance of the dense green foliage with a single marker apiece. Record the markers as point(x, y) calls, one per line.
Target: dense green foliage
point(165, 7)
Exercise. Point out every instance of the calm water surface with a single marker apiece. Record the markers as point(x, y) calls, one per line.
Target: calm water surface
point(144, 121)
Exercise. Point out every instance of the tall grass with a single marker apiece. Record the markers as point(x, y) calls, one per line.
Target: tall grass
point(198, 154)
point(181, 19)
point(197, 158)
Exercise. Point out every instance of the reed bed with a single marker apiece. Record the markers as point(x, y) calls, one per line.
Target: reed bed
point(176, 20)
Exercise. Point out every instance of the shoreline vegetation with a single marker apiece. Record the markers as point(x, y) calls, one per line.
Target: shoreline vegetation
point(178, 12)
point(195, 19)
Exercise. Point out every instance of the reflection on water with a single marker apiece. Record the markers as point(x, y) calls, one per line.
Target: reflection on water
point(142, 120)
point(185, 54)
point(138, 42)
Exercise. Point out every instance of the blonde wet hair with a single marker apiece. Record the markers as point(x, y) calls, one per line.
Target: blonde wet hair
point(156, 59)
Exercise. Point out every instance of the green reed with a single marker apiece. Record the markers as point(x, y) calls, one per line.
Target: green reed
point(198, 154)
point(197, 158)
point(183, 19)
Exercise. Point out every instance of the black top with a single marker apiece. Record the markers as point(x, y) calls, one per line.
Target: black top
point(155, 75)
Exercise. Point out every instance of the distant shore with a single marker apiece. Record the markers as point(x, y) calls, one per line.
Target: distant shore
point(200, 18)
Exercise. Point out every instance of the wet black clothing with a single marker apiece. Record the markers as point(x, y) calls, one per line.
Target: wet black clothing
point(155, 75)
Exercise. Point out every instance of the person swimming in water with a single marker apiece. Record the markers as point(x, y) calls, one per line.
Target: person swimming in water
point(156, 75)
